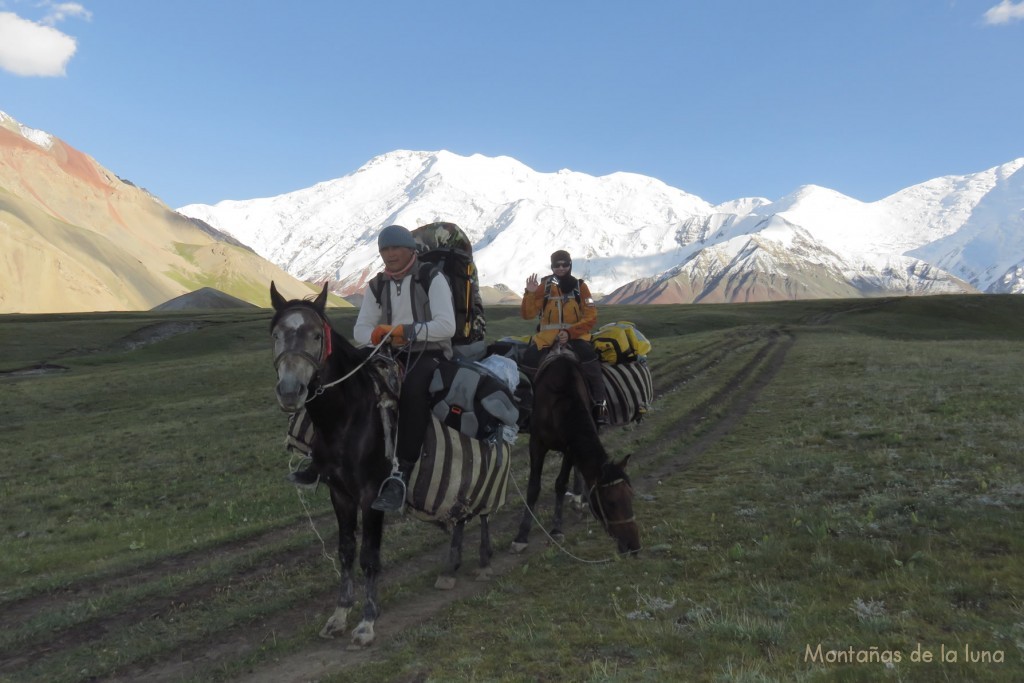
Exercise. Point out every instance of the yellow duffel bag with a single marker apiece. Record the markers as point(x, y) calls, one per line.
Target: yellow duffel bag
point(620, 342)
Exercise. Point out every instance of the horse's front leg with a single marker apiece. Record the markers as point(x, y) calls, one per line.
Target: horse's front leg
point(345, 512)
point(561, 485)
point(446, 581)
point(537, 453)
point(369, 562)
point(484, 573)
point(577, 491)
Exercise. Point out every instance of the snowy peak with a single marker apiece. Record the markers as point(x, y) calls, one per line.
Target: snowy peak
point(36, 137)
point(515, 216)
point(987, 247)
point(624, 230)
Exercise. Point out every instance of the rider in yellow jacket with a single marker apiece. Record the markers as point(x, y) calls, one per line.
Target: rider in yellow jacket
point(566, 313)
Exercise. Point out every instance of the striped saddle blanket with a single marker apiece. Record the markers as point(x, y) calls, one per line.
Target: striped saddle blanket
point(456, 477)
point(630, 391)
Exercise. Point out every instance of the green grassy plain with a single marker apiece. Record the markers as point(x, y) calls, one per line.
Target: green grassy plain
point(827, 490)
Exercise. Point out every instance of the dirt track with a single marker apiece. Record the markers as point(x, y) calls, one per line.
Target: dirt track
point(730, 403)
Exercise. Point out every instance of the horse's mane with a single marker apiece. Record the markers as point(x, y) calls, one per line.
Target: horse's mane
point(562, 378)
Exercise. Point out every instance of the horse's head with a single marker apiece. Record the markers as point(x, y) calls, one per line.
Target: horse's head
point(611, 500)
point(302, 343)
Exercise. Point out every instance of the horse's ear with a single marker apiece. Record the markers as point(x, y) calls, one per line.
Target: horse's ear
point(321, 300)
point(625, 461)
point(276, 300)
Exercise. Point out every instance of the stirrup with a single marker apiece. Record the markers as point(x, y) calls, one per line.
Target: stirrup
point(304, 477)
point(389, 503)
point(307, 478)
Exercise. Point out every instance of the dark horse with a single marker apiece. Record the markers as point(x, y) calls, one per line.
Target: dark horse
point(320, 371)
point(561, 421)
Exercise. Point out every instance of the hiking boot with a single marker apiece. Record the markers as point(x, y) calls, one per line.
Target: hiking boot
point(601, 413)
point(306, 477)
point(392, 495)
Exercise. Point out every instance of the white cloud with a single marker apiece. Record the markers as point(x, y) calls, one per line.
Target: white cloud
point(59, 11)
point(28, 48)
point(1005, 12)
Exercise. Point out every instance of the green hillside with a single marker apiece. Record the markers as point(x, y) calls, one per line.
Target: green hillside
point(826, 490)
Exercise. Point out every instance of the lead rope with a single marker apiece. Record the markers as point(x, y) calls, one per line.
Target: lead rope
point(323, 387)
point(385, 403)
point(382, 400)
point(312, 525)
point(541, 526)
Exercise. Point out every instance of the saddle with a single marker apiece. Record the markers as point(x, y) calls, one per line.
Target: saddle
point(556, 351)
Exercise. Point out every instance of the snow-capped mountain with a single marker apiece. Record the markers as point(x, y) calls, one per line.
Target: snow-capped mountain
point(618, 227)
point(639, 240)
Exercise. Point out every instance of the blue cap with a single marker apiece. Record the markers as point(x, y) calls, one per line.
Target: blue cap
point(396, 236)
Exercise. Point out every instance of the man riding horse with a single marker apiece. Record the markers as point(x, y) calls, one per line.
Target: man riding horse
point(415, 314)
point(566, 313)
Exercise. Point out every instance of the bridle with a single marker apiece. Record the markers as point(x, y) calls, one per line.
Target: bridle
point(325, 350)
point(325, 353)
point(603, 517)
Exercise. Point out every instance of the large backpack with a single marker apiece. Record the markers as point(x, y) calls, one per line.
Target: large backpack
point(446, 245)
point(469, 398)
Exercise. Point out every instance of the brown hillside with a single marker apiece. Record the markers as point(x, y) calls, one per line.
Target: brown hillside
point(75, 237)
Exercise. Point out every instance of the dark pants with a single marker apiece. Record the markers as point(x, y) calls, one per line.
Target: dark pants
point(590, 365)
point(414, 407)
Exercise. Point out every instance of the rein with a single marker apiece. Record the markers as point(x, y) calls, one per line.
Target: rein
point(604, 517)
point(386, 382)
point(325, 353)
point(323, 387)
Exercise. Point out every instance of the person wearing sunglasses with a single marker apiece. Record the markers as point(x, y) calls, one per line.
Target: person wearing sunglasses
point(565, 313)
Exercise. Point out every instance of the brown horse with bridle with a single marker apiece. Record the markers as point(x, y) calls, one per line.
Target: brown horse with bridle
point(561, 420)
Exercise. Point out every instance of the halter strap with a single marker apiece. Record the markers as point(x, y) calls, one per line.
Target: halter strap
point(323, 387)
point(325, 348)
point(604, 517)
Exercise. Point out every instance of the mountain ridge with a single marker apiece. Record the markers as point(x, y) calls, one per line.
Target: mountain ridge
point(78, 237)
point(628, 233)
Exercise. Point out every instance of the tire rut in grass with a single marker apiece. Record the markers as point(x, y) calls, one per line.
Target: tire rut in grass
point(192, 560)
point(740, 392)
point(733, 400)
point(698, 361)
point(323, 657)
point(215, 651)
point(158, 606)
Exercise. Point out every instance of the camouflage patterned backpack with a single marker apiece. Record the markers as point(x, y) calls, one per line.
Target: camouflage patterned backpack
point(446, 245)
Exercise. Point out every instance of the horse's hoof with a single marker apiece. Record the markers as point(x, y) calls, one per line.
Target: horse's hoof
point(558, 537)
point(363, 635)
point(445, 583)
point(336, 623)
point(484, 574)
point(517, 547)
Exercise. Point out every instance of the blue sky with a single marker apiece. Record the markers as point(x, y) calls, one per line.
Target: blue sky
point(204, 100)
